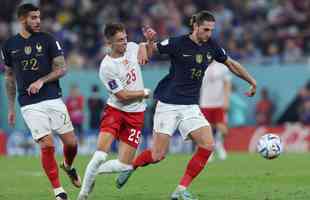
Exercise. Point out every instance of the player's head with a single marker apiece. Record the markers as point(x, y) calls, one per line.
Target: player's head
point(202, 25)
point(29, 17)
point(116, 36)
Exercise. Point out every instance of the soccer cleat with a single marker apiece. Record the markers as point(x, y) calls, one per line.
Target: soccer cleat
point(123, 178)
point(73, 175)
point(62, 196)
point(182, 195)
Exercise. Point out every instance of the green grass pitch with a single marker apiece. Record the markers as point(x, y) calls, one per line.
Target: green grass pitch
point(241, 177)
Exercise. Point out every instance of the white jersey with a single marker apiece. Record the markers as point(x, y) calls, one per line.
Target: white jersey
point(123, 73)
point(212, 89)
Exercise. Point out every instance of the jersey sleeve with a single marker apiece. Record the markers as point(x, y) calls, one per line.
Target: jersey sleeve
point(54, 47)
point(110, 79)
point(219, 53)
point(5, 57)
point(167, 46)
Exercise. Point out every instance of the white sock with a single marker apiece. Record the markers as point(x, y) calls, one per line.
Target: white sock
point(113, 166)
point(91, 171)
point(219, 147)
point(58, 190)
point(180, 188)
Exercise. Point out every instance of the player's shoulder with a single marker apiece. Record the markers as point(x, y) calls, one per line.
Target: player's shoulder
point(11, 40)
point(106, 64)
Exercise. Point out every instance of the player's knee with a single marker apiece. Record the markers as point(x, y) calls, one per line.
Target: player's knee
point(46, 141)
point(209, 145)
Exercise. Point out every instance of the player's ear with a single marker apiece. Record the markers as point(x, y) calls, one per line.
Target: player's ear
point(22, 19)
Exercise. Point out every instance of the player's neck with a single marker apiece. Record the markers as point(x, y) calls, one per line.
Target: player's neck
point(115, 54)
point(25, 34)
point(194, 39)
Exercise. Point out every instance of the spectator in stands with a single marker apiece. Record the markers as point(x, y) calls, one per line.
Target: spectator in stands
point(95, 107)
point(264, 109)
point(75, 106)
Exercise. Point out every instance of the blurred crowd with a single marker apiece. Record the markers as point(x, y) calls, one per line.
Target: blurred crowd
point(261, 31)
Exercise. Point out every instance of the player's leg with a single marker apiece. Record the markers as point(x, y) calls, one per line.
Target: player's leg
point(148, 156)
point(70, 148)
point(165, 123)
point(105, 141)
point(61, 123)
point(126, 155)
point(197, 128)
point(220, 132)
point(129, 139)
point(41, 133)
point(109, 129)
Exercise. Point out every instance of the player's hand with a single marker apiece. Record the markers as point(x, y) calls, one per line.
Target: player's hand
point(142, 55)
point(149, 33)
point(35, 87)
point(252, 91)
point(147, 93)
point(11, 118)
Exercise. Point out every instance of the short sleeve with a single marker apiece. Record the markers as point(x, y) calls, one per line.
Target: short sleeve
point(219, 53)
point(110, 78)
point(166, 46)
point(54, 47)
point(5, 58)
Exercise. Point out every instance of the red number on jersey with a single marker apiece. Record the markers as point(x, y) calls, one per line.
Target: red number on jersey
point(131, 76)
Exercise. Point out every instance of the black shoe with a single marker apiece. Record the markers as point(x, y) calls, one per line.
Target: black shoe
point(73, 175)
point(62, 196)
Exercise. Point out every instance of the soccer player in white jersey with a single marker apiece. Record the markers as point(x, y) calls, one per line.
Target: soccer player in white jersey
point(124, 115)
point(214, 102)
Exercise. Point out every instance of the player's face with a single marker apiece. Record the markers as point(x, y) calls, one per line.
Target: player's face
point(119, 42)
point(204, 31)
point(32, 22)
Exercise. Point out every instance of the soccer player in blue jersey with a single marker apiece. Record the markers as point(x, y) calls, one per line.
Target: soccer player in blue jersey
point(34, 61)
point(178, 99)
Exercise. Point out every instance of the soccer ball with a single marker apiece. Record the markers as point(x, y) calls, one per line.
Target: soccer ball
point(269, 146)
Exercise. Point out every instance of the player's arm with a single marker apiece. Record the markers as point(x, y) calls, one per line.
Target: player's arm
point(127, 96)
point(146, 49)
point(59, 69)
point(236, 68)
point(10, 86)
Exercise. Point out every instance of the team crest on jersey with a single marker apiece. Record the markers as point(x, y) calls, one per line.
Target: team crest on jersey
point(199, 58)
point(39, 47)
point(28, 50)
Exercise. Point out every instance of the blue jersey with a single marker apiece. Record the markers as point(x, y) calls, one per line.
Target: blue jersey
point(188, 64)
point(31, 59)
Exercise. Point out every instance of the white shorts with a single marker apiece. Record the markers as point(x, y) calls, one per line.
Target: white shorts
point(170, 117)
point(47, 116)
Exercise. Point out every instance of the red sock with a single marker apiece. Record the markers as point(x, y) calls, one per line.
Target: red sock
point(70, 153)
point(144, 159)
point(195, 166)
point(49, 165)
